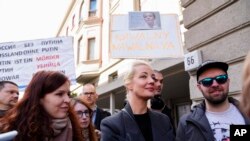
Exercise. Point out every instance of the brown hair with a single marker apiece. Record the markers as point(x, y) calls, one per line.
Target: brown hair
point(29, 117)
point(91, 128)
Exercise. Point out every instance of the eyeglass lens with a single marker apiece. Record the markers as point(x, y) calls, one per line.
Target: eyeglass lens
point(81, 113)
point(89, 93)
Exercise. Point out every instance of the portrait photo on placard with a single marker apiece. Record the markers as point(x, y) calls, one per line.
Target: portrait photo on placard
point(147, 20)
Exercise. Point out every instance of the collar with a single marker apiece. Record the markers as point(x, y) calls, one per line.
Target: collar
point(94, 108)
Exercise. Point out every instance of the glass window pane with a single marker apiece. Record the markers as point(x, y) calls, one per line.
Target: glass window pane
point(92, 5)
point(91, 50)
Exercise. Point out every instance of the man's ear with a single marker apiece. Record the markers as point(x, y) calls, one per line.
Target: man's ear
point(96, 95)
point(199, 86)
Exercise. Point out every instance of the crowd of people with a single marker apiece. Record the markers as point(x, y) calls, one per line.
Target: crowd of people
point(46, 112)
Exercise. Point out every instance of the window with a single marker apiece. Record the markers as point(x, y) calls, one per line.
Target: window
point(92, 55)
point(92, 8)
point(113, 77)
point(80, 53)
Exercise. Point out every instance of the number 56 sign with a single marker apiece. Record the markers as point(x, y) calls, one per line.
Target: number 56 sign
point(192, 60)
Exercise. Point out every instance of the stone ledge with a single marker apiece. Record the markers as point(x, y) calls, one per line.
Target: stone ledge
point(225, 22)
point(212, 39)
point(203, 12)
point(186, 3)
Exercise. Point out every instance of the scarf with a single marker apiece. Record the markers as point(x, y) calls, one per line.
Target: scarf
point(85, 133)
point(62, 130)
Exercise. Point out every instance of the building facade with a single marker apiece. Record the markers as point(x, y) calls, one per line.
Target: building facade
point(88, 22)
point(219, 30)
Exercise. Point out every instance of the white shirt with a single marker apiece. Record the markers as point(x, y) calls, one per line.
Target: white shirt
point(220, 122)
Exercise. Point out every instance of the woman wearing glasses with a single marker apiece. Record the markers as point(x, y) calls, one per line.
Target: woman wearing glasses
point(136, 122)
point(211, 120)
point(44, 112)
point(84, 114)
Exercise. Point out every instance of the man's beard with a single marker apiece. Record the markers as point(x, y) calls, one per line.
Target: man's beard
point(216, 101)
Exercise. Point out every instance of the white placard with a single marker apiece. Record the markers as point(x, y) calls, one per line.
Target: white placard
point(8, 136)
point(20, 60)
point(164, 42)
point(192, 60)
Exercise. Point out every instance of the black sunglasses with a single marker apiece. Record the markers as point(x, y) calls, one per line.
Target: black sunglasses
point(220, 79)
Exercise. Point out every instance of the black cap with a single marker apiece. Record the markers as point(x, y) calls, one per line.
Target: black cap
point(211, 64)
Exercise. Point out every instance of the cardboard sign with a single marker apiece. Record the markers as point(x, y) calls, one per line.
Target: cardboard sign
point(164, 42)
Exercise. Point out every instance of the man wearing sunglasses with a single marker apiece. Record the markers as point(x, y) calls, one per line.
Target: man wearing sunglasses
point(210, 120)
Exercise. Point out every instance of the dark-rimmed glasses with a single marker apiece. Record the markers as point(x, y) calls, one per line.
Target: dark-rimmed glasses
point(220, 79)
point(81, 113)
point(89, 93)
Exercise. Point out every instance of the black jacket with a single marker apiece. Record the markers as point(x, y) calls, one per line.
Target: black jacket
point(167, 112)
point(195, 126)
point(100, 115)
point(122, 126)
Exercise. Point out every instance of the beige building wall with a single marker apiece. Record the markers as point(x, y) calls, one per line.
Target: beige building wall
point(220, 30)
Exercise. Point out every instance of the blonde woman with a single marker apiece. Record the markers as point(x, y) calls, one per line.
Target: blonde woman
point(136, 122)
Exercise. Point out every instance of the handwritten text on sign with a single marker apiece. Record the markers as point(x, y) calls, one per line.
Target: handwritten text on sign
point(20, 60)
point(162, 43)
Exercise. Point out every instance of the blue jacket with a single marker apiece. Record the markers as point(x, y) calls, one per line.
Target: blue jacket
point(123, 127)
point(195, 126)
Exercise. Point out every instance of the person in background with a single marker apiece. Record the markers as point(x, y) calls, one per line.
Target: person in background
point(8, 96)
point(211, 119)
point(89, 96)
point(157, 103)
point(245, 96)
point(135, 122)
point(84, 114)
point(44, 113)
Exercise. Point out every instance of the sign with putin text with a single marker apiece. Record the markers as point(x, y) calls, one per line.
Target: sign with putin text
point(20, 60)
